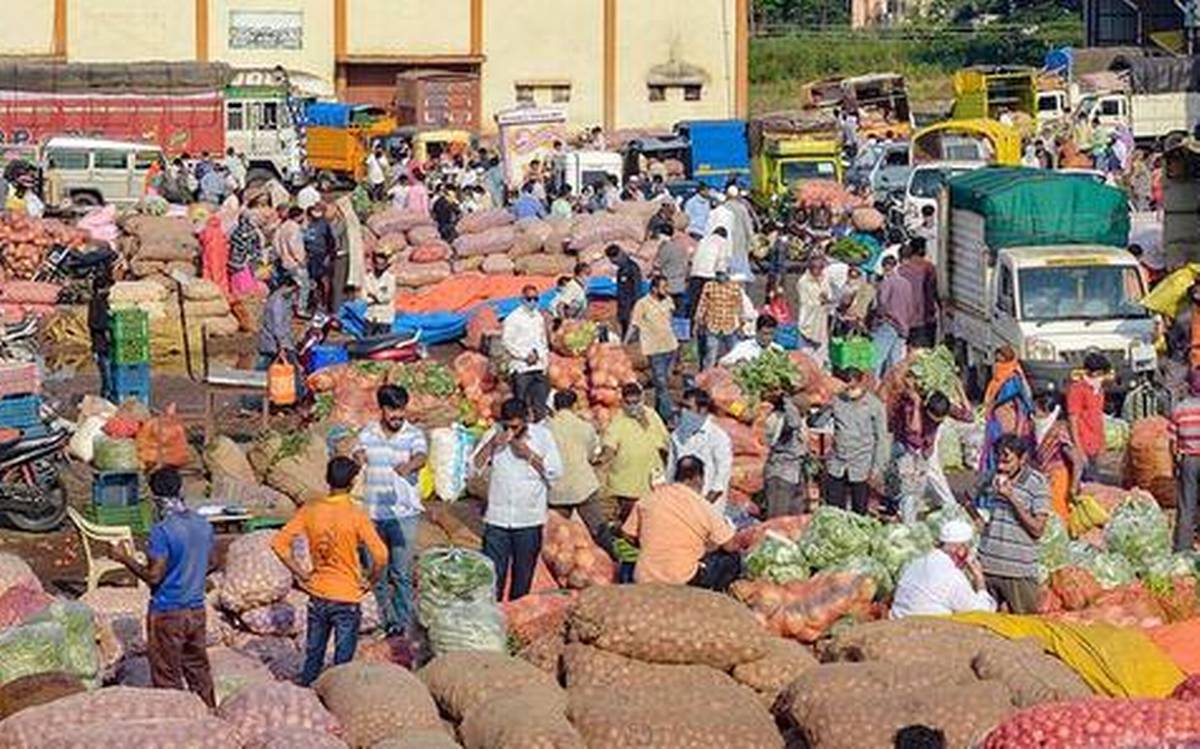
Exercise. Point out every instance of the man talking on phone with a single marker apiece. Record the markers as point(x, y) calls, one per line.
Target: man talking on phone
point(524, 463)
point(946, 580)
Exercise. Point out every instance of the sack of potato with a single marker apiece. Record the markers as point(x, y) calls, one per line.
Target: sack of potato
point(259, 709)
point(463, 680)
point(253, 575)
point(376, 701)
point(586, 666)
point(73, 715)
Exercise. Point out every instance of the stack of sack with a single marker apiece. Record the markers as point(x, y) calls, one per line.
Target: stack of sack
point(155, 246)
point(207, 307)
point(149, 296)
point(400, 234)
point(20, 298)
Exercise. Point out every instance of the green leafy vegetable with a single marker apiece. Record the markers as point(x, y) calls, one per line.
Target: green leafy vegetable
point(776, 559)
point(1112, 570)
point(322, 406)
point(896, 545)
point(872, 568)
point(850, 251)
point(936, 372)
point(578, 340)
point(1139, 532)
point(774, 370)
point(835, 536)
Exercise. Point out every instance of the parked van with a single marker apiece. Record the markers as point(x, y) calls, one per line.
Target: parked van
point(594, 168)
point(91, 171)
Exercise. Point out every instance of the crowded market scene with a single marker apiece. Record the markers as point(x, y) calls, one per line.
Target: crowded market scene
point(409, 415)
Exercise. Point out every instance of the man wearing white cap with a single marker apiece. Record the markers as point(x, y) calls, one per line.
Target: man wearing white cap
point(946, 580)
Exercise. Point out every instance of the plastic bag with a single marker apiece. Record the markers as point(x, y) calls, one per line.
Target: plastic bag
point(162, 441)
point(32, 649)
point(281, 382)
point(455, 601)
point(115, 455)
point(80, 657)
point(449, 456)
point(82, 443)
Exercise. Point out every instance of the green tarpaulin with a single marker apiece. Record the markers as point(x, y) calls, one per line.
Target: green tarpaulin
point(1035, 207)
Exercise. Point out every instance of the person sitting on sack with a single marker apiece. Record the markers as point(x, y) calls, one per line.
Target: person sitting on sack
point(681, 539)
point(945, 580)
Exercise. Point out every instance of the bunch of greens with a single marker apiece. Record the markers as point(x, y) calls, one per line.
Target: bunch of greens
point(580, 338)
point(1139, 532)
point(1053, 546)
point(776, 559)
point(896, 545)
point(835, 536)
point(936, 372)
point(1111, 570)
point(447, 574)
point(1161, 572)
point(885, 580)
point(428, 378)
point(774, 370)
point(323, 404)
point(850, 251)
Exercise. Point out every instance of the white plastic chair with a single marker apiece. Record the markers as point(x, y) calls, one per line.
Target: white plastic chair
point(100, 565)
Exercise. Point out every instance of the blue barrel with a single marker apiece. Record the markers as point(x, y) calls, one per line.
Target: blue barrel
point(327, 355)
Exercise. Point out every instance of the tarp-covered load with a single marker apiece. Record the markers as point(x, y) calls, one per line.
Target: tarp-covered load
point(1159, 75)
point(1034, 207)
point(114, 78)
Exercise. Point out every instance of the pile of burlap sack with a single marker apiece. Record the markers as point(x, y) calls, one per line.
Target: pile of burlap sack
point(493, 242)
point(156, 246)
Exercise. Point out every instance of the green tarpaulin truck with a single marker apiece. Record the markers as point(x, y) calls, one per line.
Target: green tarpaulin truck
point(1036, 259)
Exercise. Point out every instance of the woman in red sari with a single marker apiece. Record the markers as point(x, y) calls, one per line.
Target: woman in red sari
point(214, 258)
point(1056, 455)
point(1007, 405)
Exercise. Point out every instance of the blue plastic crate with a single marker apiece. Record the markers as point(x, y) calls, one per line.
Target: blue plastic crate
point(129, 381)
point(115, 489)
point(20, 411)
point(327, 355)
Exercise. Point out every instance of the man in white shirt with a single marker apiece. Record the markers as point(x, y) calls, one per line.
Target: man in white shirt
point(237, 170)
point(379, 292)
point(814, 302)
point(377, 167)
point(944, 581)
point(523, 336)
point(524, 463)
point(698, 435)
point(752, 348)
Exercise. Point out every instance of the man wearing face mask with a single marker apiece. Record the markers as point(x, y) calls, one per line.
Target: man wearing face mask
point(861, 443)
point(946, 580)
point(1085, 410)
point(652, 321)
point(787, 442)
point(698, 436)
point(634, 448)
point(524, 339)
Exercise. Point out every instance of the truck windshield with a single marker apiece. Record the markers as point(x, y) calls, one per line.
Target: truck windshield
point(1084, 292)
point(798, 171)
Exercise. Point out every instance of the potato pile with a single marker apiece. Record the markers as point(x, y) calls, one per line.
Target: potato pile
point(24, 242)
point(259, 711)
point(376, 701)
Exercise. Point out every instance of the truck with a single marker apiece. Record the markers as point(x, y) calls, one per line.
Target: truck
point(340, 136)
point(995, 92)
point(1158, 99)
point(591, 168)
point(180, 107)
point(879, 99)
point(1036, 260)
point(715, 152)
point(788, 149)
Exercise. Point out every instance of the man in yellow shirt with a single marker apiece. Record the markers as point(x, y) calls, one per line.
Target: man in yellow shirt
point(335, 528)
point(681, 538)
point(652, 320)
point(578, 489)
point(635, 448)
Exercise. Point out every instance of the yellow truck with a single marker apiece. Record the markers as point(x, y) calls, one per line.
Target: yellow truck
point(786, 150)
point(339, 138)
point(996, 92)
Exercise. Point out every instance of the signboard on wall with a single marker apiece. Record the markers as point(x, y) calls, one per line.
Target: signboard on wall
point(266, 29)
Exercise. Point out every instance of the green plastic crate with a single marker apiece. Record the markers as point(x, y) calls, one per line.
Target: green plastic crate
point(139, 517)
point(852, 352)
point(131, 351)
point(129, 325)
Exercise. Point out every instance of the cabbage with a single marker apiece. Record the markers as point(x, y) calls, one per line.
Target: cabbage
point(776, 559)
point(896, 545)
point(1111, 570)
point(1162, 571)
point(1053, 545)
point(1139, 532)
point(885, 581)
point(1116, 433)
point(1080, 554)
point(835, 536)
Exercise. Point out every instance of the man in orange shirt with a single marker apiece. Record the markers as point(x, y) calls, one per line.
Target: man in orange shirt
point(335, 528)
point(681, 538)
point(1085, 410)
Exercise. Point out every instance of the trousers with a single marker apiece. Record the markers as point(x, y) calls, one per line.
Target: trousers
point(176, 646)
point(515, 547)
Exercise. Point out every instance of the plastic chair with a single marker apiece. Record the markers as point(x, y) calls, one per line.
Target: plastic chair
point(99, 565)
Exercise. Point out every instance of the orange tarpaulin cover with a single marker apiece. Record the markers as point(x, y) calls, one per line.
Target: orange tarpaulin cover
point(1181, 643)
point(461, 292)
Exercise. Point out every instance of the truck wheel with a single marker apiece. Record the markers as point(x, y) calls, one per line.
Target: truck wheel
point(257, 178)
point(86, 200)
point(1170, 140)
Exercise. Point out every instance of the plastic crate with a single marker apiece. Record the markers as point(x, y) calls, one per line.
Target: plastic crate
point(131, 351)
point(139, 518)
point(327, 355)
point(129, 325)
point(20, 379)
point(129, 381)
point(853, 352)
point(115, 488)
point(20, 411)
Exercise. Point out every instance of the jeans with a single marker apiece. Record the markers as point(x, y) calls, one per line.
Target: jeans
point(324, 616)
point(717, 345)
point(718, 570)
point(104, 364)
point(890, 348)
point(518, 546)
point(660, 376)
point(176, 643)
point(841, 488)
point(1189, 490)
point(531, 388)
point(304, 286)
point(394, 591)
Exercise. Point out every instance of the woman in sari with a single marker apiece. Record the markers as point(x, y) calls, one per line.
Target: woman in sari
point(1056, 455)
point(1007, 405)
point(214, 258)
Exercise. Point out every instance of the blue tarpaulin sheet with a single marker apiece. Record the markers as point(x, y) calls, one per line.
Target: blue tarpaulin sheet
point(445, 327)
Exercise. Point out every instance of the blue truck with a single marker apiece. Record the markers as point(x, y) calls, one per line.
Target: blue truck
point(714, 152)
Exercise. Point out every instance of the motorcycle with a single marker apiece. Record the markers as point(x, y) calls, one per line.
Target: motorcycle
point(32, 496)
point(392, 347)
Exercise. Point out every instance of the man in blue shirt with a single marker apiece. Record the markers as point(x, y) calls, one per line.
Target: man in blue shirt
point(528, 206)
point(179, 551)
point(697, 209)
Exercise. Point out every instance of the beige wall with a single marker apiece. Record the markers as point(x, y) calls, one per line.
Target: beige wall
point(409, 27)
point(528, 40)
point(315, 55)
point(652, 33)
point(130, 31)
point(26, 28)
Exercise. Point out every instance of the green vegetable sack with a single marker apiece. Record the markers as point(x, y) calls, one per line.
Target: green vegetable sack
point(777, 559)
point(936, 372)
point(1139, 532)
point(774, 370)
point(835, 536)
point(896, 545)
point(1111, 570)
point(885, 581)
point(1053, 545)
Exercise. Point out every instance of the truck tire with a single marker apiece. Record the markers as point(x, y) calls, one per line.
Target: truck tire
point(1170, 140)
point(86, 199)
point(258, 177)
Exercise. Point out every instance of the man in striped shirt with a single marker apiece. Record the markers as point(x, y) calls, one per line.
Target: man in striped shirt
point(1185, 446)
point(1018, 498)
point(393, 450)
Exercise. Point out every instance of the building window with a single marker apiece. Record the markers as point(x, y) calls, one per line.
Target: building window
point(525, 95)
point(235, 116)
point(658, 93)
point(532, 93)
point(691, 93)
point(560, 94)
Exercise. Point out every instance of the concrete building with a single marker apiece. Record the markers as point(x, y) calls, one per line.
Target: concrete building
point(617, 63)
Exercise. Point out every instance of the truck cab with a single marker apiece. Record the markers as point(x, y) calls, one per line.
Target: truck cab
point(883, 167)
point(261, 122)
point(1108, 109)
point(784, 163)
point(591, 168)
point(714, 152)
point(1053, 105)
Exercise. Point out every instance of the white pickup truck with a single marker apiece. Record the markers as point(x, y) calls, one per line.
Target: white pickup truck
point(1036, 260)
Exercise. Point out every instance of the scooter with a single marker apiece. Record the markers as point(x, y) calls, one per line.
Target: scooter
point(32, 497)
point(395, 347)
